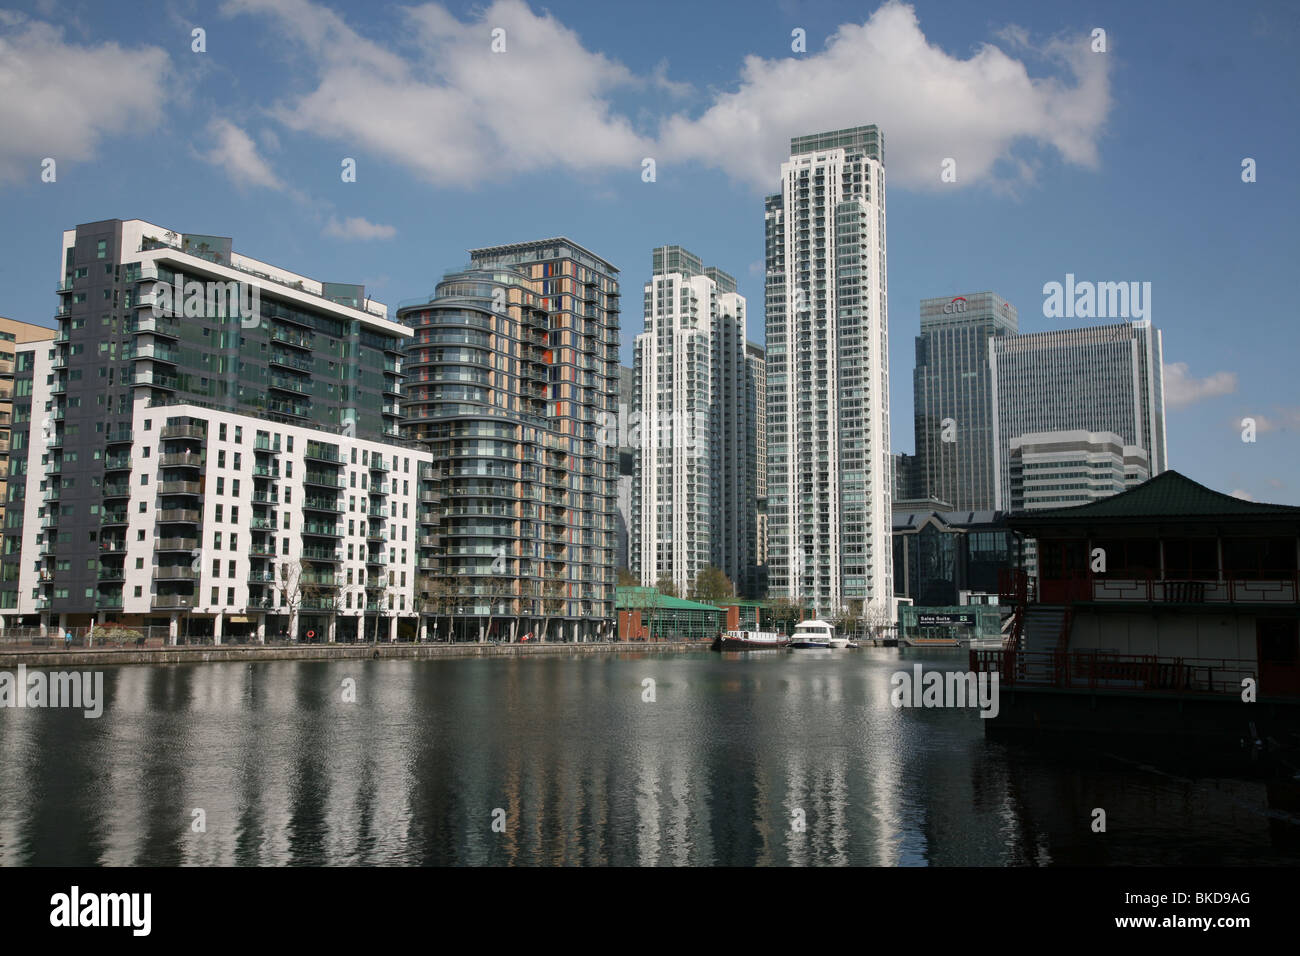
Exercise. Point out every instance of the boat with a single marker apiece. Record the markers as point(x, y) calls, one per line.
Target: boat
point(749, 641)
point(810, 635)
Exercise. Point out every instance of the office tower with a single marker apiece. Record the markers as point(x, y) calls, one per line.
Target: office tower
point(828, 374)
point(538, 391)
point(1060, 469)
point(12, 334)
point(904, 481)
point(1063, 468)
point(215, 452)
point(695, 493)
point(1103, 378)
point(953, 398)
point(756, 463)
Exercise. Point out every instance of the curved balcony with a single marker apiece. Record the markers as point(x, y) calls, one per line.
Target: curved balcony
point(178, 572)
point(185, 459)
point(322, 530)
point(192, 488)
point(195, 432)
point(330, 505)
point(176, 544)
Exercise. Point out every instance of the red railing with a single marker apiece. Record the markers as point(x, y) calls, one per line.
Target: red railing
point(1106, 671)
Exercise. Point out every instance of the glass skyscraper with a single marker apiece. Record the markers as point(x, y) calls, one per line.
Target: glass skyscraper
point(1106, 378)
point(956, 459)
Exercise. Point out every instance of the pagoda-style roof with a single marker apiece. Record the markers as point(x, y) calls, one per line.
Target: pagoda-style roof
point(1167, 496)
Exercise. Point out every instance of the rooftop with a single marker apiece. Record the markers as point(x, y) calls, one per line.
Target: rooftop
point(869, 139)
point(1168, 495)
point(638, 597)
point(538, 250)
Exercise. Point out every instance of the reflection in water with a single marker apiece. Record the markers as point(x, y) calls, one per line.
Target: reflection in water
point(767, 758)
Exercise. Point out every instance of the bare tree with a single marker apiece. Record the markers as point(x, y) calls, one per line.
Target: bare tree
point(554, 602)
point(878, 619)
point(784, 613)
point(651, 599)
point(291, 584)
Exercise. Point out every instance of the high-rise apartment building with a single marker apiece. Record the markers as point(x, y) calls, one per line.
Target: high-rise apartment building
point(12, 334)
point(956, 459)
point(1102, 378)
point(628, 419)
point(755, 585)
point(829, 472)
point(513, 376)
point(210, 444)
point(695, 492)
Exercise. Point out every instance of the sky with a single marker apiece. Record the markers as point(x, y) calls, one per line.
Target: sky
point(1112, 156)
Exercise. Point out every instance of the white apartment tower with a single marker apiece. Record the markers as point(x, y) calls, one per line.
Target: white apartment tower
point(829, 524)
point(693, 495)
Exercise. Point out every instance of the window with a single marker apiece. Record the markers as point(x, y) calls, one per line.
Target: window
point(221, 458)
point(239, 434)
point(139, 564)
point(238, 459)
point(221, 431)
point(230, 595)
point(101, 249)
point(214, 596)
point(216, 540)
point(221, 487)
point(234, 542)
point(218, 513)
point(216, 567)
point(230, 572)
point(234, 515)
point(234, 487)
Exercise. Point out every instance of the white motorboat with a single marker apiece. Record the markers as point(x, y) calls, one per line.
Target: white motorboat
point(816, 634)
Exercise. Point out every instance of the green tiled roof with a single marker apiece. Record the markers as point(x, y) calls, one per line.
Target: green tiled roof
point(1167, 495)
point(649, 597)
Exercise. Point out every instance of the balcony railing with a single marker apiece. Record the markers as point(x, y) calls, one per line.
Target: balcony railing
point(1096, 670)
point(182, 431)
point(1258, 587)
point(176, 544)
point(178, 488)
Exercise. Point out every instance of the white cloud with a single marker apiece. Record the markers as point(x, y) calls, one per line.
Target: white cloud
point(1183, 389)
point(354, 227)
point(456, 113)
point(929, 104)
point(59, 99)
point(235, 152)
point(1243, 494)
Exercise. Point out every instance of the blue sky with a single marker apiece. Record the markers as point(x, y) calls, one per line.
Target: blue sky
point(1115, 166)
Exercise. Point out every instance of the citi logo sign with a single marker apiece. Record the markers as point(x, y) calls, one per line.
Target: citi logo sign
point(956, 306)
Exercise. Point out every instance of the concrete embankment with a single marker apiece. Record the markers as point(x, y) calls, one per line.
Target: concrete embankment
point(110, 656)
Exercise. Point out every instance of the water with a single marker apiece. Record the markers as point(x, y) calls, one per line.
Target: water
point(721, 768)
